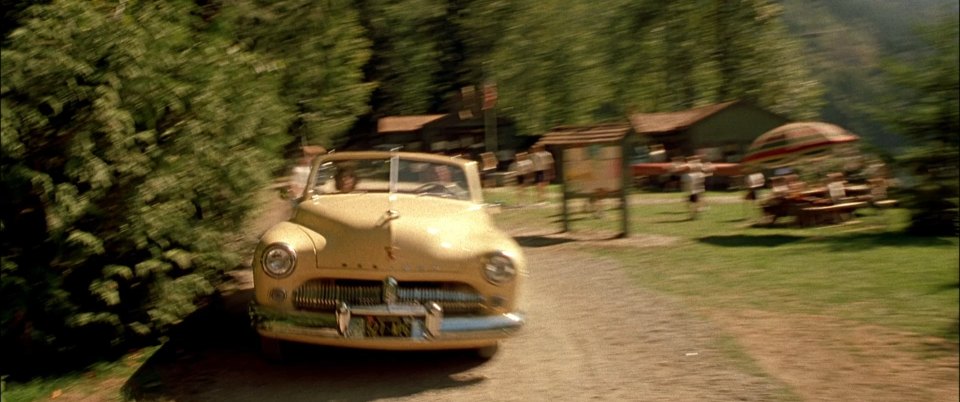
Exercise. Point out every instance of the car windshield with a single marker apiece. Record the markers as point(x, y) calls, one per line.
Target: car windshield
point(373, 176)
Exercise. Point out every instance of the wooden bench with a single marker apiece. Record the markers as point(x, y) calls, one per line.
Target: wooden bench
point(834, 213)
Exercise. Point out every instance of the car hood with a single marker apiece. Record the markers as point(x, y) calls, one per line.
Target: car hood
point(380, 231)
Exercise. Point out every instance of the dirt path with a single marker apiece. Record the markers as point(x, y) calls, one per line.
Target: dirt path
point(826, 359)
point(593, 335)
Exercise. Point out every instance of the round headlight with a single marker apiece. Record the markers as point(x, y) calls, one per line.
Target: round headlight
point(278, 260)
point(499, 269)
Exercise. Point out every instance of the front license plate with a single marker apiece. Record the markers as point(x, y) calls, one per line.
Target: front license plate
point(388, 326)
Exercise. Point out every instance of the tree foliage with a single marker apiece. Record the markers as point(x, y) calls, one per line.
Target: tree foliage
point(406, 56)
point(319, 49)
point(580, 62)
point(132, 143)
point(927, 111)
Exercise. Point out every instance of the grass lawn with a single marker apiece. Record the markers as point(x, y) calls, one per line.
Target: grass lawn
point(864, 270)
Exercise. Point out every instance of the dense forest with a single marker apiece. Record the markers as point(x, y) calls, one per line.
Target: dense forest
point(135, 134)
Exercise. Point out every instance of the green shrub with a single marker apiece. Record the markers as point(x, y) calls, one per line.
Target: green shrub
point(132, 145)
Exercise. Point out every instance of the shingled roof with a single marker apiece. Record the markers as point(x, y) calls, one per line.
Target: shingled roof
point(396, 124)
point(591, 134)
point(673, 121)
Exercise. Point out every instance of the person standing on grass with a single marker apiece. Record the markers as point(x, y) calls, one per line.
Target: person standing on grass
point(693, 184)
point(543, 170)
point(754, 182)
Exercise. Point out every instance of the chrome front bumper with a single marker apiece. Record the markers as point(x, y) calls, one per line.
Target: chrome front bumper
point(429, 327)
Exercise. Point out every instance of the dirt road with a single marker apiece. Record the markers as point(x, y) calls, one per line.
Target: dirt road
point(591, 334)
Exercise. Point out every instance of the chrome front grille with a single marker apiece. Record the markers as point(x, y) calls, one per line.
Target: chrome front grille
point(323, 295)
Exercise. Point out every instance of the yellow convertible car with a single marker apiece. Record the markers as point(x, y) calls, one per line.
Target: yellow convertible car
point(388, 250)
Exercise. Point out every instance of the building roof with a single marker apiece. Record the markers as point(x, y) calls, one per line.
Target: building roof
point(590, 134)
point(672, 121)
point(395, 124)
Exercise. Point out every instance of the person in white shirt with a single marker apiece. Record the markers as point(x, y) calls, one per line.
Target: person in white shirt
point(543, 170)
point(693, 184)
point(754, 182)
point(836, 188)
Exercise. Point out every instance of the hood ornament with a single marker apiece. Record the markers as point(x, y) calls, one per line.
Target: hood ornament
point(388, 216)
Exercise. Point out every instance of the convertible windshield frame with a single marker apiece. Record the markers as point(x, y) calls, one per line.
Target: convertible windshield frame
point(395, 172)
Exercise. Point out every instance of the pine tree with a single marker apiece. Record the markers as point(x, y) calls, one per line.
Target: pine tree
point(133, 143)
point(926, 109)
point(319, 49)
point(582, 62)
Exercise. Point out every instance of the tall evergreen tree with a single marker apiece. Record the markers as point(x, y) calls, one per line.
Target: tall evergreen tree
point(581, 62)
point(418, 54)
point(133, 143)
point(548, 65)
point(685, 55)
point(319, 48)
point(427, 51)
point(926, 109)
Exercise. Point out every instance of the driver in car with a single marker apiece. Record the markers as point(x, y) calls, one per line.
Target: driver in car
point(443, 174)
point(345, 179)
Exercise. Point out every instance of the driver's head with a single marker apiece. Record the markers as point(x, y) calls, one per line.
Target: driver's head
point(345, 179)
point(443, 173)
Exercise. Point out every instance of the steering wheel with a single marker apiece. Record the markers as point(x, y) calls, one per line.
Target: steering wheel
point(435, 188)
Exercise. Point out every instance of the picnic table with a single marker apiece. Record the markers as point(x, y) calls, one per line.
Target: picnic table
point(855, 191)
point(817, 206)
point(828, 214)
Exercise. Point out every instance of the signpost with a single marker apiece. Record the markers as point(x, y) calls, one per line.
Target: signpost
point(594, 165)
